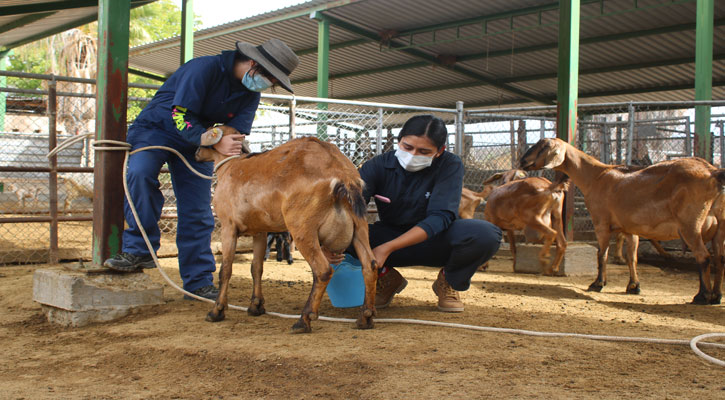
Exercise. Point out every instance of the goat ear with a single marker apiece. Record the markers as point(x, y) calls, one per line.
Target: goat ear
point(204, 154)
point(555, 156)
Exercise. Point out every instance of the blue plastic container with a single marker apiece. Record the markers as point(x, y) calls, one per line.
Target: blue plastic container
point(347, 287)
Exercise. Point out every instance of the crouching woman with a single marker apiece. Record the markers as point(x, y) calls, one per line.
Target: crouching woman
point(417, 190)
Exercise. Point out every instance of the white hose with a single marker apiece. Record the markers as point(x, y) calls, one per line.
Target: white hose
point(126, 147)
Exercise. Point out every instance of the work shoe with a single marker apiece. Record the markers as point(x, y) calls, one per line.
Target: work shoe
point(448, 299)
point(208, 292)
point(127, 262)
point(387, 286)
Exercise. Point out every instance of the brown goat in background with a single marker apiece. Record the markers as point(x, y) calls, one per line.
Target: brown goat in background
point(307, 187)
point(665, 201)
point(533, 203)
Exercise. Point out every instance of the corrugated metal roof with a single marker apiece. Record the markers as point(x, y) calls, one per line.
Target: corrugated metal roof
point(625, 53)
point(23, 20)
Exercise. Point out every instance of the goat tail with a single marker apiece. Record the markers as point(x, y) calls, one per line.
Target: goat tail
point(350, 194)
point(719, 175)
point(560, 184)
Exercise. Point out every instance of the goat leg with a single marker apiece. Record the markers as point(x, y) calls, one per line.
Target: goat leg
point(601, 280)
point(703, 295)
point(717, 246)
point(617, 257)
point(370, 275)
point(510, 234)
point(229, 246)
point(321, 274)
point(632, 245)
point(259, 246)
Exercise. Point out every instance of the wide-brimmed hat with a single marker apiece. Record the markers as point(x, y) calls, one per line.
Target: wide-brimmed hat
point(275, 57)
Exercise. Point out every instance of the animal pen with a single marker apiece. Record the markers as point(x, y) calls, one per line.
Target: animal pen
point(46, 205)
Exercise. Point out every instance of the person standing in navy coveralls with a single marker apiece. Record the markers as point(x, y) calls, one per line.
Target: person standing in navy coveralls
point(209, 90)
point(417, 191)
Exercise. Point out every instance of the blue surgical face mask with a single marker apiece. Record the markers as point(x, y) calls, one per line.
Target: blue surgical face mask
point(412, 163)
point(256, 83)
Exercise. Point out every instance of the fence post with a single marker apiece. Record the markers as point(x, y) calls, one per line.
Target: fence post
point(606, 156)
point(292, 116)
point(722, 146)
point(379, 138)
point(460, 127)
point(630, 134)
point(542, 129)
point(53, 175)
point(513, 145)
point(688, 137)
point(619, 140)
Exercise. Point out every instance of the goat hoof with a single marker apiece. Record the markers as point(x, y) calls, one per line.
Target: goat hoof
point(716, 298)
point(701, 299)
point(255, 311)
point(212, 317)
point(365, 323)
point(312, 316)
point(301, 327)
point(595, 287)
point(633, 288)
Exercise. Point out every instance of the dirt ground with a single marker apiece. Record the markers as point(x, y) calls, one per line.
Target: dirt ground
point(170, 352)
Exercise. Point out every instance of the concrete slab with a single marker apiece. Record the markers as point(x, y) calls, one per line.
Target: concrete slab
point(580, 259)
point(77, 298)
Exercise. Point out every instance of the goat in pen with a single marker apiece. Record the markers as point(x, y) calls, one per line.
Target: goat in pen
point(535, 204)
point(665, 201)
point(307, 187)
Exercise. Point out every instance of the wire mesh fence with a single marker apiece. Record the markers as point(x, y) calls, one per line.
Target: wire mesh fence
point(488, 141)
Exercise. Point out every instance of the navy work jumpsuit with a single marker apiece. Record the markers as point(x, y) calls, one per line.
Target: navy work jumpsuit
point(428, 198)
point(199, 94)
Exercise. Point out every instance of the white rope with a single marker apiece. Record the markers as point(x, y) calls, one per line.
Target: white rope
point(692, 342)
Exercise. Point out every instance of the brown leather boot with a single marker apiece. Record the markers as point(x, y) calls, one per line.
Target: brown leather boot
point(388, 285)
point(448, 299)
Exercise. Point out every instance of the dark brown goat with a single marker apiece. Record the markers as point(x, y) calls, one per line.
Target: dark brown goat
point(307, 187)
point(665, 201)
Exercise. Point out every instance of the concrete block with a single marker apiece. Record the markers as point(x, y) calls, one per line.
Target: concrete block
point(74, 298)
point(580, 259)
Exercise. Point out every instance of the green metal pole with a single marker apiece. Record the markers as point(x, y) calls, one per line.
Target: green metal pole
point(187, 30)
point(111, 104)
point(703, 76)
point(323, 69)
point(3, 95)
point(568, 88)
point(568, 80)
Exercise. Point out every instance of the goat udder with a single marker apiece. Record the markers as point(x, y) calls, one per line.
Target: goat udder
point(336, 230)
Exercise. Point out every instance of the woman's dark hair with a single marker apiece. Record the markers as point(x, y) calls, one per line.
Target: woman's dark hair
point(429, 126)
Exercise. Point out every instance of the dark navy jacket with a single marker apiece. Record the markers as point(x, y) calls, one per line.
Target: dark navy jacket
point(208, 93)
point(428, 198)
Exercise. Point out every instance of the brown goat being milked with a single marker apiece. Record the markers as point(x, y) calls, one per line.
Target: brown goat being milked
point(307, 187)
point(665, 201)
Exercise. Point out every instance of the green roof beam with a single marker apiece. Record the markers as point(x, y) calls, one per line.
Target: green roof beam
point(390, 68)
point(603, 93)
point(212, 33)
point(530, 49)
point(145, 74)
point(70, 25)
point(409, 36)
point(433, 60)
point(341, 45)
point(25, 20)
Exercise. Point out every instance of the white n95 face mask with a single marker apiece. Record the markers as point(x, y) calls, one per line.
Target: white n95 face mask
point(412, 163)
